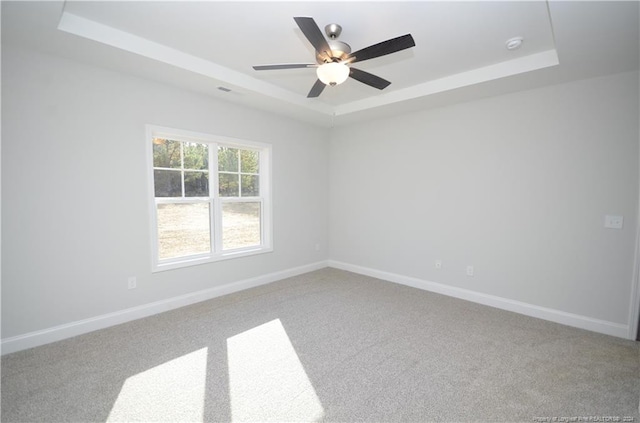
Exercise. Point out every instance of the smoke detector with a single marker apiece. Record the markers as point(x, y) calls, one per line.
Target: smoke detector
point(514, 43)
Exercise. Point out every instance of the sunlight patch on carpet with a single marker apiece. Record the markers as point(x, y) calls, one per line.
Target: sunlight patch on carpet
point(267, 381)
point(172, 391)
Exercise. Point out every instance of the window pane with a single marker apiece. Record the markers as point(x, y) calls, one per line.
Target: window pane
point(249, 161)
point(196, 184)
point(166, 153)
point(196, 156)
point(183, 229)
point(228, 183)
point(167, 183)
point(240, 225)
point(250, 186)
point(227, 159)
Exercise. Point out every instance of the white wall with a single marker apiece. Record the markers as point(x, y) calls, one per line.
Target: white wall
point(75, 196)
point(516, 185)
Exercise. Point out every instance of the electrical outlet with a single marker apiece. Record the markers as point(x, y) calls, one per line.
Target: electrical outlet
point(438, 264)
point(469, 270)
point(133, 283)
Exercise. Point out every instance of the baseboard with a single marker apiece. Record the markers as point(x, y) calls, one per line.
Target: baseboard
point(57, 333)
point(569, 319)
point(68, 330)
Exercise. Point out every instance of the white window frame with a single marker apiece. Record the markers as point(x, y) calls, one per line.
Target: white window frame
point(214, 200)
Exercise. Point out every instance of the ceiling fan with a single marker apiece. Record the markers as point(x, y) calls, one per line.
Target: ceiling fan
point(333, 57)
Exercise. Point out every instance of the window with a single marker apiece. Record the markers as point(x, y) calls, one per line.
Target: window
point(210, 197)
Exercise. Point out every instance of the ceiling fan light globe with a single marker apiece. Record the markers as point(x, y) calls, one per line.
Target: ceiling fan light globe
point(333, 73)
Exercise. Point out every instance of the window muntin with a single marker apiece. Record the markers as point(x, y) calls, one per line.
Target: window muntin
point(210, 198)
point(180, 168)
point(238, 172)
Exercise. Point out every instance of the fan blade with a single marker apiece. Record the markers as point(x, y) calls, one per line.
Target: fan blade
point(381, 49)
point(316, 90)
point(310, 30)
point(369, 79)
point(285, 66)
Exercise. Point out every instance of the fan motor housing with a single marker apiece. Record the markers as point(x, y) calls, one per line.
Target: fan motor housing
point(339, 51)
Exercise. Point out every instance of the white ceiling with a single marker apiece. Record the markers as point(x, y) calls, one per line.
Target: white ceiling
point(459, 55)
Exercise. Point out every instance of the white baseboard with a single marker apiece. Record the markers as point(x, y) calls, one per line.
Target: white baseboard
point(68, 330)
point(569, 319)
point(57, 333)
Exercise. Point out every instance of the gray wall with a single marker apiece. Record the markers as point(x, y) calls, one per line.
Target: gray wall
point(75, 198)
point(516, 185)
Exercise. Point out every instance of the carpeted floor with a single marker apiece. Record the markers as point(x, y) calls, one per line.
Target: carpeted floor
point(327, 346)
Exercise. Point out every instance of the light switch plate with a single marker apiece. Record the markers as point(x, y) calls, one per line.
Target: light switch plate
point(613, 222)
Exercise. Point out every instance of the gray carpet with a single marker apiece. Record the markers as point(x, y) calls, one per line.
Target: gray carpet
point(326, 346)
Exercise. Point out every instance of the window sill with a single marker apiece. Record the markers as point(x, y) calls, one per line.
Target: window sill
point(195, 261)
